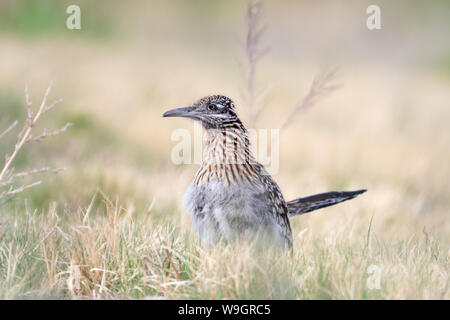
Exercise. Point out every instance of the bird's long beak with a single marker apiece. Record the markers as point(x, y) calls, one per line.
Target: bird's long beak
point(187, 112)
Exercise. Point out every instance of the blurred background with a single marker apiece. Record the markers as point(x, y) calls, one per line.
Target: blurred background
point(386, 129)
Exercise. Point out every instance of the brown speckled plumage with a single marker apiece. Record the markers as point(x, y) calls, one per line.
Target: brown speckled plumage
point(232, 194)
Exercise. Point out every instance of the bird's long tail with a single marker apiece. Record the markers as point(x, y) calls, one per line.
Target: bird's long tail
point(321, 200)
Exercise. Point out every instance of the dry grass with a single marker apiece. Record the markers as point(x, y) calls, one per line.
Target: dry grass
point(116, 255)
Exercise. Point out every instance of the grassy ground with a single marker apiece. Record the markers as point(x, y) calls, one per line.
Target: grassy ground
point(111, 226)
point(116, 253)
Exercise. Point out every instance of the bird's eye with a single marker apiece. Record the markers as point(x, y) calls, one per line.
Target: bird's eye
point(212, 107)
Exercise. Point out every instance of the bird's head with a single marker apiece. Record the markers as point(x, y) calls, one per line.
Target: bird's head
point(214, 112)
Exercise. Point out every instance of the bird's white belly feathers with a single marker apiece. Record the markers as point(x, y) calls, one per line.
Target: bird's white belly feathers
point(225, 211)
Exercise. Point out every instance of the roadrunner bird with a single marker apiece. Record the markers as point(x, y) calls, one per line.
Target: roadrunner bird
point(232, 194)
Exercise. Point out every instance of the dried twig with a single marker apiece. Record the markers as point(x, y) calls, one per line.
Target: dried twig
point(320, 88)
point(9, 128)
point(13, 191)
point(46, 135)
point(36, 170)
point(7, 182)
point(7, 175)
point(254, 51)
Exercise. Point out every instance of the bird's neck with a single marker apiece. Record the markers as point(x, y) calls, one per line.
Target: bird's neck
point(227, 156)
point(227, 146)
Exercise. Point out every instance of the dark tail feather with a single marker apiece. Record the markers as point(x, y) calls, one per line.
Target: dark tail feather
point(317, 201)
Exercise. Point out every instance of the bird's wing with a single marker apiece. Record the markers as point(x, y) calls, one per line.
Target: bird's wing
point(277, 205)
